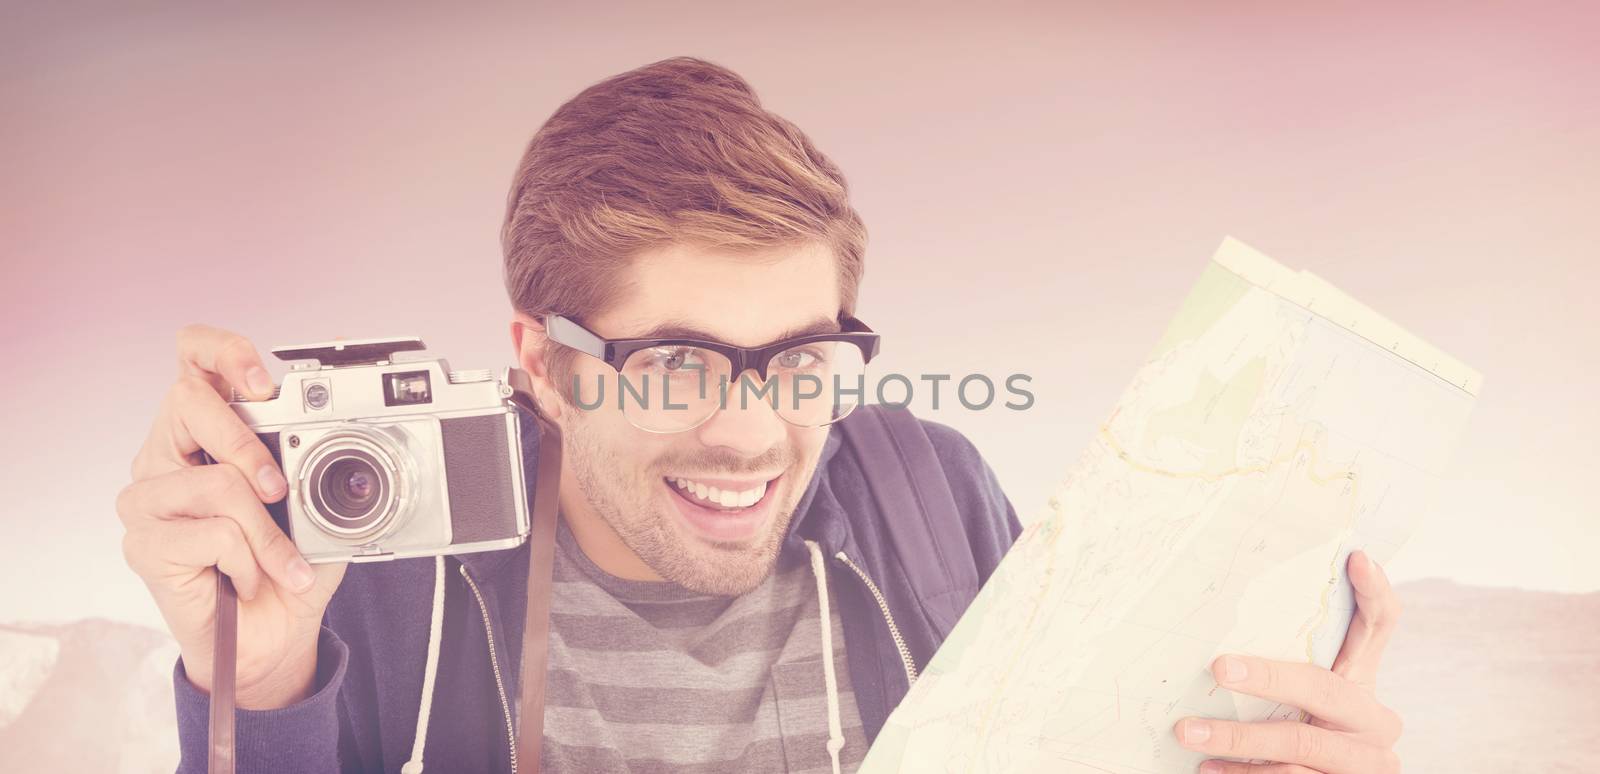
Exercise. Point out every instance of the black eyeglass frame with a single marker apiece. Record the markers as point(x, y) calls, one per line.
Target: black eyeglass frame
point(615, 352)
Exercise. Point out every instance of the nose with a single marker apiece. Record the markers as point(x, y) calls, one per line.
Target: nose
point(746, 424)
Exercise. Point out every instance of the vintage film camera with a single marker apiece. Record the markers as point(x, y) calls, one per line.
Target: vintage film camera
point(388, 459)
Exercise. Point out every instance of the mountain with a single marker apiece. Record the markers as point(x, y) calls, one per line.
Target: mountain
point(1498, 681)
point(1490, 681)
point(93, 695)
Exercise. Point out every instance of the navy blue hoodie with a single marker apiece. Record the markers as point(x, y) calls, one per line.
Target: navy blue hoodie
point(363, 714)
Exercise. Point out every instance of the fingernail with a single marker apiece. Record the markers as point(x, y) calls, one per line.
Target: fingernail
point(1366, 561)
point(1196, 732)
point(271, 480)
point(259, 381)
point(1211, 767)
point(300, 575)
point(1234, 669)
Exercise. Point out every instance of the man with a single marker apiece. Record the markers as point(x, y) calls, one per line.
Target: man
point(726, 598)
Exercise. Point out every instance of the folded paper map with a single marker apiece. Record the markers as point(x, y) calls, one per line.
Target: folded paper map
point(1278, 426)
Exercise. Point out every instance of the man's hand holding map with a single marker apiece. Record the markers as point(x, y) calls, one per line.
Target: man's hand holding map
point(1278, 428)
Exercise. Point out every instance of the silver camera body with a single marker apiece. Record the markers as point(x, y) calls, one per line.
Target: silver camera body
point(389, 459)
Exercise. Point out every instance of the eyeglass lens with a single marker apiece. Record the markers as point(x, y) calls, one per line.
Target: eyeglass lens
point(672, 388)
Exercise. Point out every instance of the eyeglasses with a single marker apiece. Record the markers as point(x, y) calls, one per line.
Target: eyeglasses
point(668, 385)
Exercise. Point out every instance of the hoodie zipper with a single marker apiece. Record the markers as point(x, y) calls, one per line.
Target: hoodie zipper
point(494, 661)
point(883, 605)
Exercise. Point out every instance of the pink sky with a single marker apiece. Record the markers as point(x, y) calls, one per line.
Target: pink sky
point(1042, 185)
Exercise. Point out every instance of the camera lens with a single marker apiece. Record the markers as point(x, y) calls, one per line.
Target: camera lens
point(350, 485)
point(349, 489)
point(355, 483)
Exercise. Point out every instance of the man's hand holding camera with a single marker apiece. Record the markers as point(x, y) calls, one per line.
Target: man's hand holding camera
point(184, 519)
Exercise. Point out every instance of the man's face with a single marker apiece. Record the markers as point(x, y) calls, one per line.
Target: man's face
point(646, 487)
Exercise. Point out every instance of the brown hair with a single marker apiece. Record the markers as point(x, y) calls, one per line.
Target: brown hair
point(678, 151)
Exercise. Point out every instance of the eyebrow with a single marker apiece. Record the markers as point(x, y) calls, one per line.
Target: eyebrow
point(679, 329)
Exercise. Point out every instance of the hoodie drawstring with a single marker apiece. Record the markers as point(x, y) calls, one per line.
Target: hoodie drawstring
point(431, 671)
point(835, 728)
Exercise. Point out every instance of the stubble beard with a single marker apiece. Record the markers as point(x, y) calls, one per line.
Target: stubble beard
point(631, 506)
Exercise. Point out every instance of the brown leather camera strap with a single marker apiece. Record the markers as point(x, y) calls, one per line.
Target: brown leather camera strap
point(224, 648)
point(544, 510)
point(536, 621)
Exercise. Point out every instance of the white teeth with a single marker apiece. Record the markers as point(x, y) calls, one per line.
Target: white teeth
point(726, 499)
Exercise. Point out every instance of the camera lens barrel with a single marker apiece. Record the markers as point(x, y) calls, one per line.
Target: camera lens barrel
point(354, 484)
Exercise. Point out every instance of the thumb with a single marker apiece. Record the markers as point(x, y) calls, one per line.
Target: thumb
point(312, 602)
point(328, 578)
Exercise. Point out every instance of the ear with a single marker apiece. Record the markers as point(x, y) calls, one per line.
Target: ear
point(529, 340)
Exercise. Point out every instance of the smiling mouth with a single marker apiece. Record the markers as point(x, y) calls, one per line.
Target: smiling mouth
point(730, 497)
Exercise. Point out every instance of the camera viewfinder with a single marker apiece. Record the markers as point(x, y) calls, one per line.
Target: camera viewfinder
point(410, 388)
